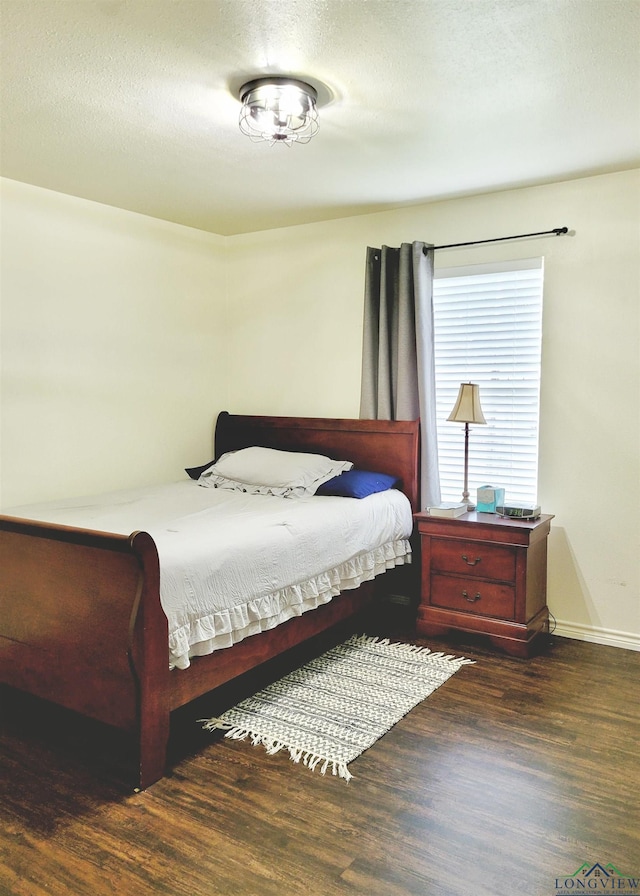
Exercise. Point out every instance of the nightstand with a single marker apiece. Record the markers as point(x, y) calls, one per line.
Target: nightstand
point(486, 574)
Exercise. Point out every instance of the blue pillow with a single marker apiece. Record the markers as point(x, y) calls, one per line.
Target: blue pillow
point(357, 484)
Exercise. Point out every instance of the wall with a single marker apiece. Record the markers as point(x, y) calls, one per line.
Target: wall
point(113, 346)
point(296, 313)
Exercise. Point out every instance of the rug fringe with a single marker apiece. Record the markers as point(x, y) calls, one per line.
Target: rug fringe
point(403, 647)
point(338, 767)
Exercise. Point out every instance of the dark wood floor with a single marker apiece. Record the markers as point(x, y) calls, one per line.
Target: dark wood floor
point(507, 778)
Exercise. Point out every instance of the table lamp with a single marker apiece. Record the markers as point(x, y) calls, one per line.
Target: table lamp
point(467, 410)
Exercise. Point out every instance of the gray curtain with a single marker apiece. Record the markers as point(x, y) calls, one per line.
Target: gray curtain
point(398, 371)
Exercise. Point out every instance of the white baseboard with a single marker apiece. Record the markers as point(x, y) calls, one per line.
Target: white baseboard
point(607, 636)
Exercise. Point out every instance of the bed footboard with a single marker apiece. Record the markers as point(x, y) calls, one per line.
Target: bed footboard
point(81, 625)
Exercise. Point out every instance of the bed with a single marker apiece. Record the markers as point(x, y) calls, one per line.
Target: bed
point(82, 622)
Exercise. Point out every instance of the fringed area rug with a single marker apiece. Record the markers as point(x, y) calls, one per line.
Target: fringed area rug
point(333, 708)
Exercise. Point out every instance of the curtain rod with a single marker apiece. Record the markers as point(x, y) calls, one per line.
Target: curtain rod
point(558, 231)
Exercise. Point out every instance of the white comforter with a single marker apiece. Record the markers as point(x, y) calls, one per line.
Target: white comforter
point(232, 564)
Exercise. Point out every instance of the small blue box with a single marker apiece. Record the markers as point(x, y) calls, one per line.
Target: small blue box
point(489, 498)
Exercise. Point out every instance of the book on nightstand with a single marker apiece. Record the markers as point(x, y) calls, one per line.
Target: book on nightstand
point(447, 508)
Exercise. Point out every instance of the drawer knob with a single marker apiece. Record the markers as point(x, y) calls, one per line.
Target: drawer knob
point(470, 562)
point(473, 599)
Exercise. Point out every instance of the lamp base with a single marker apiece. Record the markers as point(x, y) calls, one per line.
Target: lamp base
point(466, 500)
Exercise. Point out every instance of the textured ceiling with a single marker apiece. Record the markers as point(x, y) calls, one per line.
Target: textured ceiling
point(133, 103)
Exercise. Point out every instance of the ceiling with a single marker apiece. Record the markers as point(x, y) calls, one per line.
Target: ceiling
point(133, 103)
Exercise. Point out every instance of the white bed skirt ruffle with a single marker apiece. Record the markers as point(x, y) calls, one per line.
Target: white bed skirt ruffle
point(225, 628)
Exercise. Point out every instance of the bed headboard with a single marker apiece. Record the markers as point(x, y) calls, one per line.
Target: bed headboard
point(386, 446)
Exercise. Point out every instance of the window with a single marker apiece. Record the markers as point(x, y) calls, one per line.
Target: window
point(488, 330)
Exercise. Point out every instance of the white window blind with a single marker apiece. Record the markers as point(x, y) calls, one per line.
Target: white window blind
point(488, 330)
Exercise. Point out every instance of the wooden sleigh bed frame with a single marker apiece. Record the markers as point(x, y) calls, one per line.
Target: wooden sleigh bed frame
point(81, 623)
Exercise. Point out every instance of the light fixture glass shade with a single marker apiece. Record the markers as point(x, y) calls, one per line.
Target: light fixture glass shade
point(278, 110)
point(467, 408)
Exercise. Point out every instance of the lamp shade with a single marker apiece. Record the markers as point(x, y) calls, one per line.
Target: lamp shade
point(467, 408)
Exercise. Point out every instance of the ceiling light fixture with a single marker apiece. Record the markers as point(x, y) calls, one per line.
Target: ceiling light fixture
point(278, 110)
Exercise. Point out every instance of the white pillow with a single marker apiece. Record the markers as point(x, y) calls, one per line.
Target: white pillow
point(266, 471)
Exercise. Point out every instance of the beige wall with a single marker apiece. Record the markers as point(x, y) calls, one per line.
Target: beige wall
point(296, 309)
point(113, 346)
point(122, 337)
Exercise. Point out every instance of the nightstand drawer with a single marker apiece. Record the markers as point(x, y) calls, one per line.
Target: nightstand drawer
point(472, 596)
point(473, 558)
